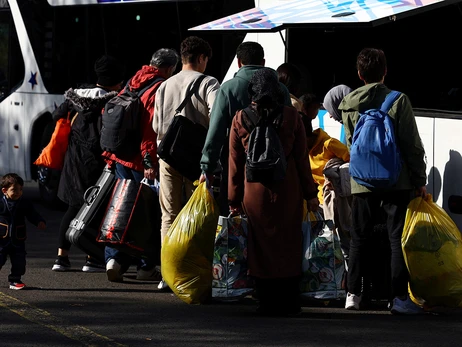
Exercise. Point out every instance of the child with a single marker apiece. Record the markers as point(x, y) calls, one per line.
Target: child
point(13, 211)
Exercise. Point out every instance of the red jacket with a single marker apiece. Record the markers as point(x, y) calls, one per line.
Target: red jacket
point(148, 136)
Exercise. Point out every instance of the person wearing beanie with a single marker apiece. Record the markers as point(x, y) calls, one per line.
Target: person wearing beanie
point(85, 105)
point(142, 164)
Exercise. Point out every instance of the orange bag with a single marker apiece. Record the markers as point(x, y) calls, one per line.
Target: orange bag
point(52, 156)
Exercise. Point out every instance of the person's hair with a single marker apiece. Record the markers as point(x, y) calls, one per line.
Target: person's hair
point(250, 53)
point(371, 64)
point(164, 57)
point(10, 179)
point(290, 75)
point(192, 47)
point(308, 99)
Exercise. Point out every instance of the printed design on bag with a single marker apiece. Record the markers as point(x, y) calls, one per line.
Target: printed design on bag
point(231, 278)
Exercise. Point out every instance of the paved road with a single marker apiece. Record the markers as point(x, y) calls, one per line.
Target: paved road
point(81, 309)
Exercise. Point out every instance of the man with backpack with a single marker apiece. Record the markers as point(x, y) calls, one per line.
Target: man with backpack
point(232, 96)
point(141, 162)
point(378, 191)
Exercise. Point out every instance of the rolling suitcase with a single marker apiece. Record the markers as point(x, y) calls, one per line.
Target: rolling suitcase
point(83, 229)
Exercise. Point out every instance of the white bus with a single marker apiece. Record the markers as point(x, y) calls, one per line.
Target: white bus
point(48, 46)
point(420, 39)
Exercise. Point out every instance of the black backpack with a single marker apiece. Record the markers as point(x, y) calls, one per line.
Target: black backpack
point(120, 131)
point(266, 161)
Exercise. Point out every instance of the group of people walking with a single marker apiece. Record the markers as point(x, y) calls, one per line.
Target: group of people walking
point(274, 209)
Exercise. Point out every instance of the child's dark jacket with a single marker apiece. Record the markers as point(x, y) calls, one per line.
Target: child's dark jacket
point(13, 214)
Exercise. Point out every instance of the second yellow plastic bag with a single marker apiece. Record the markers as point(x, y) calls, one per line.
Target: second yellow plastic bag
point(187, 250)
point(432, 247)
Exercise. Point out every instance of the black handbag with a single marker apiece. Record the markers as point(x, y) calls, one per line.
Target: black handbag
point(181, 146)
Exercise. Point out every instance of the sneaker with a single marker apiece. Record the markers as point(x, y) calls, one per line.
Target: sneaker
point(61, 264)
point(113, 271)
point(17, 285)
point(405, 307)
point(151, 275)
point(352, 301)
point(93, 266)
point(162, 285)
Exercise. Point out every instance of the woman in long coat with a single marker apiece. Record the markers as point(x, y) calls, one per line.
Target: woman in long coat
point(274, 210)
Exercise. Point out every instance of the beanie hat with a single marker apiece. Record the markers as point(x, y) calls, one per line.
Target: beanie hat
point(109, 71)
point(333, 99)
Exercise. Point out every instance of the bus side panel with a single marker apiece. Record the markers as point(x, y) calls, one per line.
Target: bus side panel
point(448, 162)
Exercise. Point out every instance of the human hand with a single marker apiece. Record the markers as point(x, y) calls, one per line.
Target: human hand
point(235, 210)
point(421, 191)
point(41, 226)
point(150, 174)
point(312, 205)
point(206, 176)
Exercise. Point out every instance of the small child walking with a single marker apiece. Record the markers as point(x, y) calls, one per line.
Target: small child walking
point(14, 209)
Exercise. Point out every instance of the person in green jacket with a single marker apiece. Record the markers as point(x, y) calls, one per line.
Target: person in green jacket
point(232, 96)
point(367, 205)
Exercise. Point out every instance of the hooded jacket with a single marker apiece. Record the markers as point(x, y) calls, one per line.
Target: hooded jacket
point(148, 137)
point(322, 150)
point(83, 163)
point(232, 96)
point(413, 172)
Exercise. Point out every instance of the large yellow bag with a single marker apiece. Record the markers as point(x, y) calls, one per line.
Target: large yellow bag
point(432, 247)
point(187, 250)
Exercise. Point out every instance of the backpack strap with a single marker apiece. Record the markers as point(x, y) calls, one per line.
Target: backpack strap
point(250, 119)
point(150, 84)
point(389, 101)
point(193, 89)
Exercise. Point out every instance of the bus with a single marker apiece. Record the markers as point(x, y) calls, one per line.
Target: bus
point(49, 46)
point(420, 41)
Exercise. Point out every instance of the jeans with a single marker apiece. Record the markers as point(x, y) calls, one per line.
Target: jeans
point(17, 254)
point(124, 259)
point(366, 208)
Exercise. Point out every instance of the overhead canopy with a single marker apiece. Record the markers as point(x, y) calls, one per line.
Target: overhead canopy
point(100, 2)
point(321, 13)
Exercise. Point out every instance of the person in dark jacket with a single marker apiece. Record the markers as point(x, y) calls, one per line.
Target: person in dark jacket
point(83, 163)
point(142, 164)
point(232, 96)
point(14, 209)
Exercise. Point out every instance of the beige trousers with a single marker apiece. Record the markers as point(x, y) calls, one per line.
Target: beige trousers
point(174, 191)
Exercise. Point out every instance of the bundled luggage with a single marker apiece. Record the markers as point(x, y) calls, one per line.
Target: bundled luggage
point(131, 222)
point(84, 228)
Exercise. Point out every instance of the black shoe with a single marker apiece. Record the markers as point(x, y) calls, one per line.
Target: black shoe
point(61, 264)
point(93, 266)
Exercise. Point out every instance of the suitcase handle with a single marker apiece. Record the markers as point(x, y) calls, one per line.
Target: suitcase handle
point(89, 199)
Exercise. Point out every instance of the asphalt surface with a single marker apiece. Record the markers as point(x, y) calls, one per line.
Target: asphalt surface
point(84, 309)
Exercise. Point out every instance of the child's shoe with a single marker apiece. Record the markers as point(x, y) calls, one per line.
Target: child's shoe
point(17, 285)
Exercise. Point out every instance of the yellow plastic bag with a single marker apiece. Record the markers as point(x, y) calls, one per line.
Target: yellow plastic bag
point(187, 250)
point(432, 247)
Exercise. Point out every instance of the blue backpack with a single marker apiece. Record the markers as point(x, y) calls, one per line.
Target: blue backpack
point(375, 160)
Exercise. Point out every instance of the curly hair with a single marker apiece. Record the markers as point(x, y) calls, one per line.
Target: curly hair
point(192, 47)
point(10, 179)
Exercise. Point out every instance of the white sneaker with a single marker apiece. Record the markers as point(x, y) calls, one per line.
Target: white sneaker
point(151, 275)
point(162, 285)
point(352, 301)
point(405, 307)
point(113, 271)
